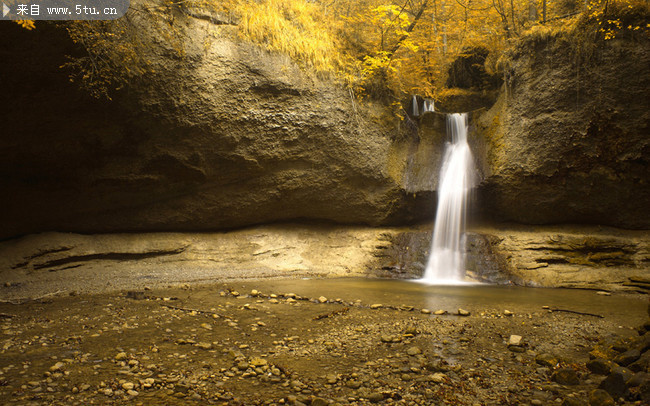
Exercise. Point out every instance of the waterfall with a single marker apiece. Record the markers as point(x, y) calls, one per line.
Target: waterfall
point(416, 111)
point(446, 259)
point(428, 105)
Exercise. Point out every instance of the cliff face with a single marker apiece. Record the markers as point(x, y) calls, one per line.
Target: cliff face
point(569, 139)
point(228, 136)
point(231, 135)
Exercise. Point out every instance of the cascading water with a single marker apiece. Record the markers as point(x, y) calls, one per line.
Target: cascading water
point(428, 106)
point(446, 259)
point(416, 110)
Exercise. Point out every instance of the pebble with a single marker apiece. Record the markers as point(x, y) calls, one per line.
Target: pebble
point(507, 313)
point(57, 367)
point(375, 397)
point(546, 359)
point(258, 362)
point(120, 356)
point(599, 397)
point(565, 376)
point(425, 311)
point(204, 345)
point(463, 312)
point(318, 402)
point(514, 340)
point(627, 357)
point(322, 299)
point(600, 366)
point(331, 379)
point(376, 306)
point(414, 351)
point(615, 385)
point(438, 377)
point(440, 312)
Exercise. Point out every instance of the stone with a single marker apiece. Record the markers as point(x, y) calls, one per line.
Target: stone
point(258, 362)
point(507, 313)
point(615, 385)
point(463, 312)
point(425, 311)
point(600, 366)
point(546, 359)
point(128, 386)
point(319, 402)
point(353, 384)
point(57, 367)
point(642, 364)
point(375, 397)
point(120, 356)
point(413, 351)
point(638, 379)
point(376, 306)
point(626, 373)
point(644, 391)
point(642, 343)
point(628, 357)
point(331, 379)
point(571, 401)
point(204, 346)
point(322, 299)
point(599, 397)
point(514, 340)
point(565, 376)
point(438, 377)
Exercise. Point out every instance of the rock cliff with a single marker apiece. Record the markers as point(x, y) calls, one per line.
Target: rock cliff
point(568, 140)
point(231, 135)
point(228, 136)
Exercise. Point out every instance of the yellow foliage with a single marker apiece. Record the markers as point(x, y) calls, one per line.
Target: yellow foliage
point(379, 48)
point(26, 24)
point(293, 27)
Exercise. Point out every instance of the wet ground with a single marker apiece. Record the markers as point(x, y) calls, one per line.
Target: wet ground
point(318, 342)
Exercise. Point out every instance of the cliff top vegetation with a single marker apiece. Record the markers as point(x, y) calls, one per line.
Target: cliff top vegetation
point(380, 49)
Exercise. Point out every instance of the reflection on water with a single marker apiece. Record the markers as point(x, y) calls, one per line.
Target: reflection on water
point(473, 297)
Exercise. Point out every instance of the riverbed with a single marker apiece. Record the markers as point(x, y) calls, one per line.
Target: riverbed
point(308, 341)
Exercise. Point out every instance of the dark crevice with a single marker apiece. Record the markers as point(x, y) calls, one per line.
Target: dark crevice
point(112, 256)
point(40, 254)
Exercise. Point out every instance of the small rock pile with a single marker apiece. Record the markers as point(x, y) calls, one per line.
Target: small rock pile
point(626, 367)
